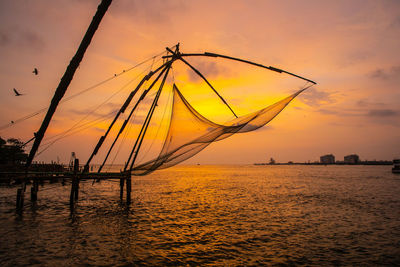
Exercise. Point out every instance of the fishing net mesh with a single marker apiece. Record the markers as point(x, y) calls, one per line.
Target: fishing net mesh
point(189, 132)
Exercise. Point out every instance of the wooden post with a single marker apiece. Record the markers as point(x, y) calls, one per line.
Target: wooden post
point(128, 188)
point(74, 186)
point(34, 190)
point(121, 186)
point(20, 200)
point(33, 193)
point(76, 171)
point(72, 195)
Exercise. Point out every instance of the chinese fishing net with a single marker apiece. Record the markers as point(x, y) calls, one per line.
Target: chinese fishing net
point(189, 132)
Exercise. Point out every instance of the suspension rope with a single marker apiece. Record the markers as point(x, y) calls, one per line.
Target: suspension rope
point(130, 118)
point(35, 113)
point(78, 124)
point(158, 130)
point(88, 125)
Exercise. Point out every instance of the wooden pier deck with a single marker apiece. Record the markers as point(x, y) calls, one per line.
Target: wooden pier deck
point(34, 178)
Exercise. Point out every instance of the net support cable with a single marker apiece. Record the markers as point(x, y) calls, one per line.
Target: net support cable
point(131, 112)
point(208, 54)
point(204, 78)
point(146, 123)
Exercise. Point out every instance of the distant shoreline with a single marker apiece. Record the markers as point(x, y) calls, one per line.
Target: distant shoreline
point(337, 163)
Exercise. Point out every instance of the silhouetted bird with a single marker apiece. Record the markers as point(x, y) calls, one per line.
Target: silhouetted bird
point(16, 92)
point(35, 71)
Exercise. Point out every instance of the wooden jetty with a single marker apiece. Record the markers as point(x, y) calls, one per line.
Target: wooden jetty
point(75, 177)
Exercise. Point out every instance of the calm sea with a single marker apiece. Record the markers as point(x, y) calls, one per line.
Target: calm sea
point(213, 215)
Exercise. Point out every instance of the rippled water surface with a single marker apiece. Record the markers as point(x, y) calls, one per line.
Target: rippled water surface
point(213, 215)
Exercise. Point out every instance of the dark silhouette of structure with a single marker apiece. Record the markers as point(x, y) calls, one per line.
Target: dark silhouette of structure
point(351, 159)
point(327, 159)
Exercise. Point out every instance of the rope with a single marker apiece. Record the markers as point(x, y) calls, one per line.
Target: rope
point(158, 130)
point(129, 124)
point(33, 114)
point(92, 123)
point(64, 134)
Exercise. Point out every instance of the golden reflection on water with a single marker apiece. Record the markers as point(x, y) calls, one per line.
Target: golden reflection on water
point(219, 215)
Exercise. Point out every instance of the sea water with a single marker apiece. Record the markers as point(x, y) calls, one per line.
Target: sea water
point(212, 215)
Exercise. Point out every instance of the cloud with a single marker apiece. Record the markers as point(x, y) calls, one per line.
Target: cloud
point(315, 97)
point(22, 39)
point(328, 112)
point(208, 69)
point(378, 74)
point(32, 39)
point(395, 70)
point(364, 103)
point(395, 22)
point(93, 112)
point(4, 38)
point(384, 74)
point(382, 113)
point(155, 11)
point(97, 129)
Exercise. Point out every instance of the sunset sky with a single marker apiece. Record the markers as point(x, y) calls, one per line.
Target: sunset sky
point(350, 48)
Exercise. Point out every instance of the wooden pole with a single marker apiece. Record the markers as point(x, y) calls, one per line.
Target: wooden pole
point(208, 54)
point(130, 114)
point(73, 197)
point(121, 186)
point(141, 130)
point(128, 188)
point(146, 123)
point(33, 193)
point(67, 77)
point(34, 189)
point(122, 110)
point(20, 200)
point(76, 171)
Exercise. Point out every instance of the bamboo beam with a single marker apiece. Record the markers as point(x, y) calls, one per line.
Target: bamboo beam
point(130, 115)
point(208, 54)
point(68, 76)
point(147, 117)
point(122, 110)
point(139, 141)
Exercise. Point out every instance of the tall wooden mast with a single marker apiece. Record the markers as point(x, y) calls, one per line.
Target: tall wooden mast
point(67, 77)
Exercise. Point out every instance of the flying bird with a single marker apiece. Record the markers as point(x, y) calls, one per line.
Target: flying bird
point(16, 92)
point(35, 71)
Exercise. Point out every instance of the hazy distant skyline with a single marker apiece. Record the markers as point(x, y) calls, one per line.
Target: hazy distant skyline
point(349, 47)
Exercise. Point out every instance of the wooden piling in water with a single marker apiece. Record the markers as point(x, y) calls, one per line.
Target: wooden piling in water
point(128, 188)
point(74, 186)
point(72, 194)
point(20, 199)
point(76, 171)
point(34, 190)
point(33, 194)
point(121, 187)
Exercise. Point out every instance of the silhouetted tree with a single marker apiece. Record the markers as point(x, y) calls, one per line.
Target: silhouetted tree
point(12, 152)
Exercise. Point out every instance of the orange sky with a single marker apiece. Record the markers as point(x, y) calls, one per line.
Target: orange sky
point(349, 47)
